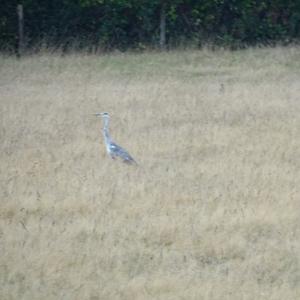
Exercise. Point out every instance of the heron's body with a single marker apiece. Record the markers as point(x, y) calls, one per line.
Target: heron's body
point(112, 148)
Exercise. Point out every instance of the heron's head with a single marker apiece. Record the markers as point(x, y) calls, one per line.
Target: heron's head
point(102, 114)
point(105, 117)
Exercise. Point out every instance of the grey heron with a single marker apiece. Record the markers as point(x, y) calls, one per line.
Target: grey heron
point(112, 148)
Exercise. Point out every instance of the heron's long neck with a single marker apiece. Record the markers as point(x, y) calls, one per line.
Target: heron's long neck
point(106, 135)
point(105, 131)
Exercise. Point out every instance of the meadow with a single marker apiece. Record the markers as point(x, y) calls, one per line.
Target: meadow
point(212, 210)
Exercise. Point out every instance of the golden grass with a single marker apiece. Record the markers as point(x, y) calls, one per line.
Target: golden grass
point(212, 212)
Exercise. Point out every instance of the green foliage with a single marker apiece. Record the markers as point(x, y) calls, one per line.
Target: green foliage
point(135, 23)
point(8, 25)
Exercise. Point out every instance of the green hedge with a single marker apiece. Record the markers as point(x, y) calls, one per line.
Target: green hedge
point(126, 24)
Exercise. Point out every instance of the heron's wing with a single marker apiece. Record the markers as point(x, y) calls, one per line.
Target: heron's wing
point(121, 152)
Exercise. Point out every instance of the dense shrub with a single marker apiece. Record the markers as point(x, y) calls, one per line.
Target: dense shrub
point(135, 23)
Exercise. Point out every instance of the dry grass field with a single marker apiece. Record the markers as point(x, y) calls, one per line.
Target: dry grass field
point(212, 210)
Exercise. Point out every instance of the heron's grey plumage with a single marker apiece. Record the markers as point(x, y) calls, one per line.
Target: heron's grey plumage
point(112, 148)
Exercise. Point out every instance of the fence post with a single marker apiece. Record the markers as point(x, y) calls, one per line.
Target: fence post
point(162, 39)
point(20, 29)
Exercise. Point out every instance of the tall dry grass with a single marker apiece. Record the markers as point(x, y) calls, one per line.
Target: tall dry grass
point(212, 212)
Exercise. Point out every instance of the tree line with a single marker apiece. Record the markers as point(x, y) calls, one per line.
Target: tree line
point(138, 24)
